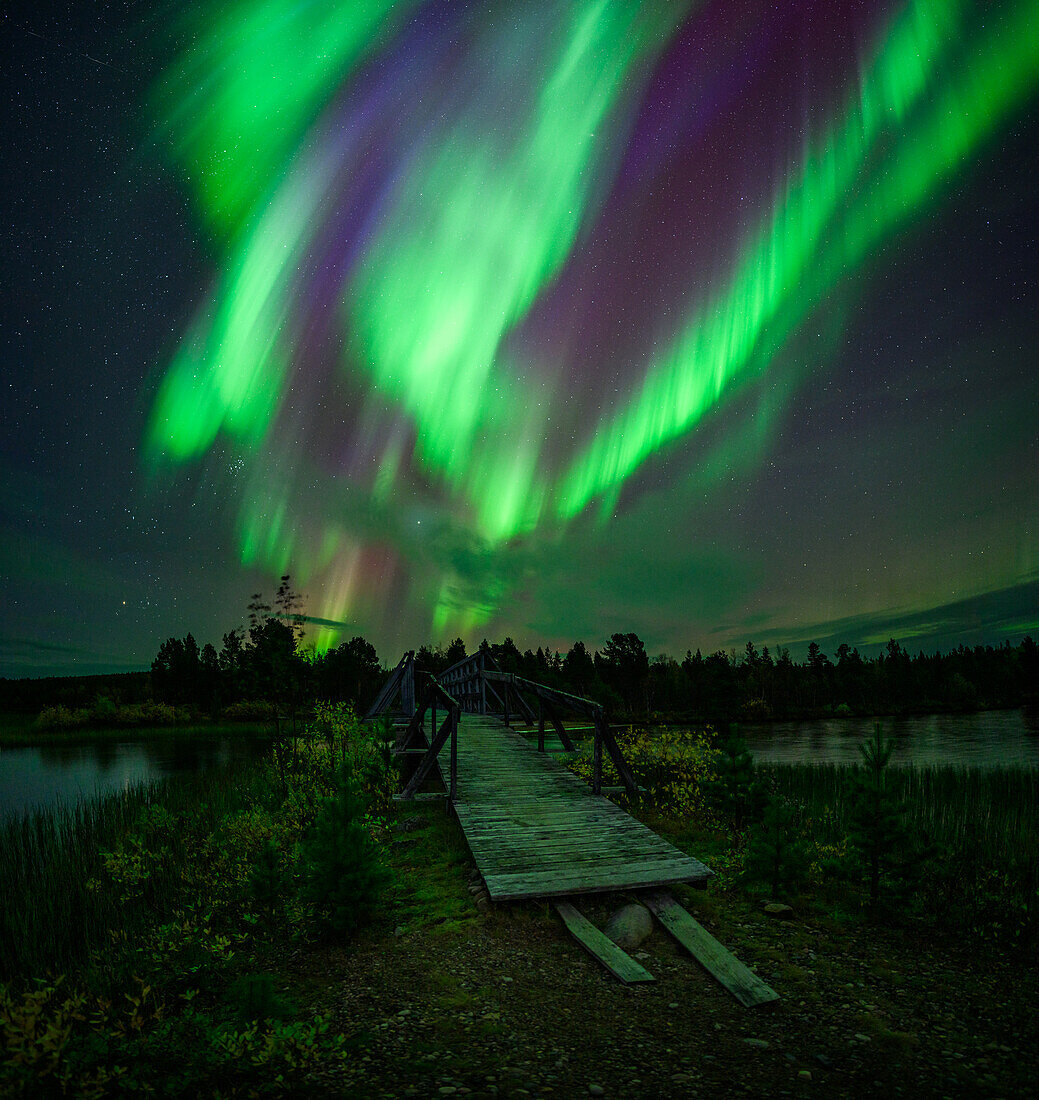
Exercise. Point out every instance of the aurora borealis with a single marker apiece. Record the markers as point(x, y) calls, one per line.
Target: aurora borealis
point(711, 321)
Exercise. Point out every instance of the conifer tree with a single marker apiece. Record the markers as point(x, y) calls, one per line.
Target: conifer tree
point(887, 853)
point(343, 873)
point(777, 855)
point(734, 792)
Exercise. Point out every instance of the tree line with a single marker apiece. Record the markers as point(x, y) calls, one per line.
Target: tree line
point(267, 661)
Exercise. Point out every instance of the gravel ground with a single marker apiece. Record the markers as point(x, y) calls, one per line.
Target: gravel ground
point(453, 1001)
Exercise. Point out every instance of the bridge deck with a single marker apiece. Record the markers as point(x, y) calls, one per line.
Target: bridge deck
point(537, 830)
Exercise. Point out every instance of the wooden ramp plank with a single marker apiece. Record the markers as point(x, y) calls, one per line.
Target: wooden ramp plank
point(618, 962)
point(717, 960)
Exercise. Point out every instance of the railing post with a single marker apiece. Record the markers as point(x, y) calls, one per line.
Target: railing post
point(433, 727)
point(505, 701)
point(541, 725)
point(454, 755)
point(597, 758)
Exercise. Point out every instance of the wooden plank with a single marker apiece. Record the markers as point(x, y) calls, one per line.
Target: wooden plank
point(518, 887)
point(617, 961)
point(717, 960)
point(621, 877)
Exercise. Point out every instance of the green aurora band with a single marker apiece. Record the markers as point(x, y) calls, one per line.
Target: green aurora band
point(490, 204)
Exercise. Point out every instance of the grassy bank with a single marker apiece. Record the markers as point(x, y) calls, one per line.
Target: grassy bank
point(992, 814)
point(133, 941)
point(173, 940)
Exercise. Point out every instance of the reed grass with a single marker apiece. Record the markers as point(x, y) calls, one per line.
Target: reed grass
point(56, 909)
point(989, 815)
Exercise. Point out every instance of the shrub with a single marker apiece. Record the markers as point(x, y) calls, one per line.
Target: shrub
point(266, 878)
point(675, 767)
point(61, 718)
point(366, 747)
point(249, 711)
point(886, 853)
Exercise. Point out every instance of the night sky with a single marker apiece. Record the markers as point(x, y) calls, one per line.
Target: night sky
point(714, 322)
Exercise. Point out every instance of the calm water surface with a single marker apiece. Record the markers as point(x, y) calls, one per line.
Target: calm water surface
point(995, 738)
point(40, 776)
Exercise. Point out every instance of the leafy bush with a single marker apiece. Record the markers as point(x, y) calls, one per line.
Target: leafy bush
point(252, 710)
point(365, 747)
point(56, 1041)
point(675, 767)
point(61, 718)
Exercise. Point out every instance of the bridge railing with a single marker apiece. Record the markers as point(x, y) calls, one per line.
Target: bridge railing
point(476, 684)
point(550, 701)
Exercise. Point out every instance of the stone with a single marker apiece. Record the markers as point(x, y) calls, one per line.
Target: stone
point(596, 1090)
point(778, 910)
point(760, 1044)
point(805, 1074)
point(630, 926)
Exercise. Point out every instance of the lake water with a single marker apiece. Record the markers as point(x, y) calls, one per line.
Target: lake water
point(43, 775)
point(40, 776)
point(987, 739)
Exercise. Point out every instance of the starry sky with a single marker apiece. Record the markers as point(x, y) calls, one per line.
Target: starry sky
point(712, 321)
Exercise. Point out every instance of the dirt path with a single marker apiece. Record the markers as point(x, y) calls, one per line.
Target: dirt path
point(452, 1001)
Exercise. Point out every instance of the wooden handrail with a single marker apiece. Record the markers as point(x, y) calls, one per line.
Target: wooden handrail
point(577, 702)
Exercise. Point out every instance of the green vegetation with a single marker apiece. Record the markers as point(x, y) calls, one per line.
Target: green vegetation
point(777, 852)
point(973, 843)
point(149, 941)
point(341, 870)
point(138, 930)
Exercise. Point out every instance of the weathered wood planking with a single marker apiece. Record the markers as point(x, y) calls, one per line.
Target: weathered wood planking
point(617, 961)
point(537, 830)
point(718, 961)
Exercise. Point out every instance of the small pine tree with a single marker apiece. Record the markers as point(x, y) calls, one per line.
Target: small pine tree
point(266, 879)
point(777, 855)
point(343, 874)
point(255, 997)
point(886, 853)
point(735, 794)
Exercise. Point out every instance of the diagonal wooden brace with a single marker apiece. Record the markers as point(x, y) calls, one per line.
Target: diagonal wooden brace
point(623, 770)
point(427, 761)
point(561, 733)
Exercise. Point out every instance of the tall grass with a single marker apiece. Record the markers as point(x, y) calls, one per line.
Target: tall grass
point(56, 908)
point(995, 811)
point(985, 821)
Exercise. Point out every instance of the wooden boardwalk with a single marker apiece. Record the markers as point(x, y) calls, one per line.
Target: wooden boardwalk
point(536, 830)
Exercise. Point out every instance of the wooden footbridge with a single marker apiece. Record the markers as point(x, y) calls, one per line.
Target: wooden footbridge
point(534, 828)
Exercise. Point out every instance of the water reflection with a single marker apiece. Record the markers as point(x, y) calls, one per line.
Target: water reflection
point(983, 740)
point(43, 775)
